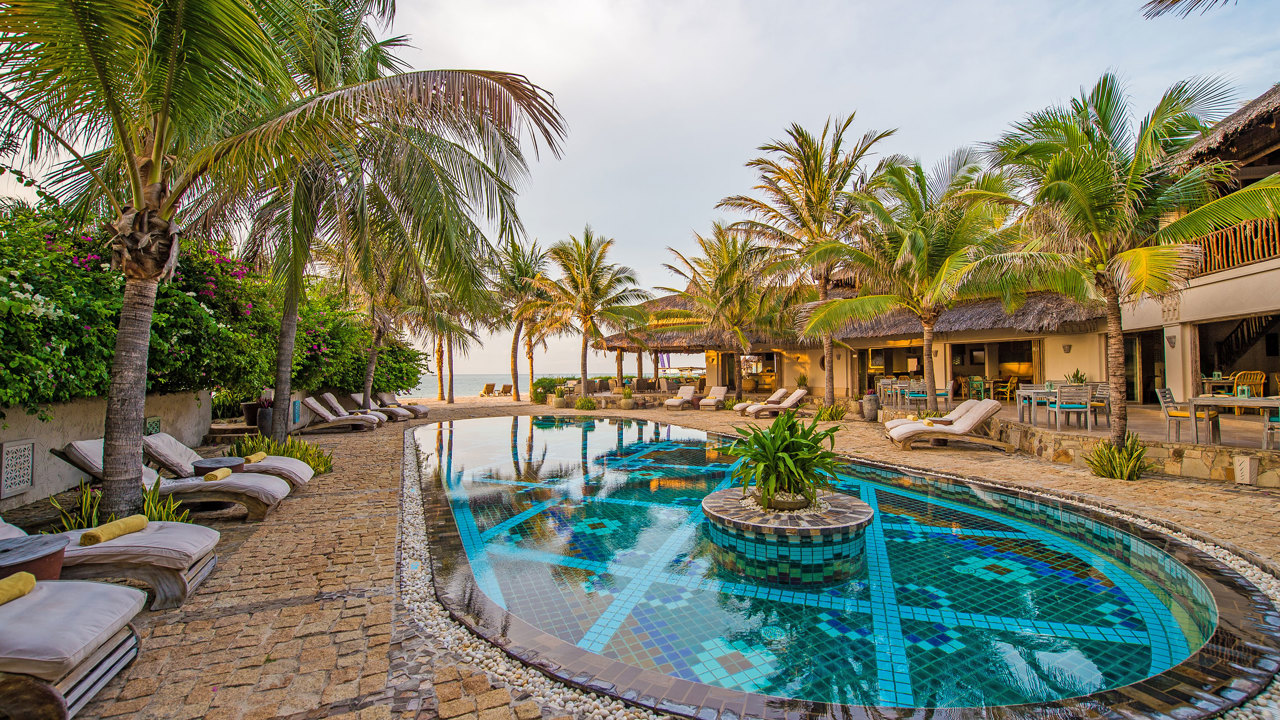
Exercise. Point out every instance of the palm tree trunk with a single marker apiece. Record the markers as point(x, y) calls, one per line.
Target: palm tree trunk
point(450, 397)
point(583, 389)
point(828, 353)
point(737, 376)
point(370, 368)
point(930, 384)
point(639, 367)
point(1115, 367)
point(281, 417)
point(619, 357)
point(440, 367)
point(126, 402)
point(528, 353)
point(515, 361)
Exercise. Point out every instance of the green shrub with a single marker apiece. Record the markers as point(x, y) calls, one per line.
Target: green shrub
point(626, 393)
point(537, 396)
point(584, 403)
point(836, 411)
point(547, 384)
point(162, 509)
point(802, 380)
point(787, 457)
point(84, 514)
point(559, 392)
point(320, 460)
point(1078, 377)
point(1120, 462)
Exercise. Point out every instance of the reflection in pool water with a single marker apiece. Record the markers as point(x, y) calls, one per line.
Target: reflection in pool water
point(590, 529)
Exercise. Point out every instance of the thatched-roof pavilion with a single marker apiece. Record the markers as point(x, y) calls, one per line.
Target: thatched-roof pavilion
point(1040, 313)
point(1246, 136)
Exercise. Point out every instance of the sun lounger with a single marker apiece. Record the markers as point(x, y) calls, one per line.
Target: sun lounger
point(487, 391)
point(683, 398)
point(791, 403)
point(338, 411)
point(714, 399)
point(328, 422)
point(505, 391)
point(394, 413)
point(164, 450)
point(62, 642)
point(777, 395)
point(172, 558)
point(259, 494)
point(969, 428)
point(390, 400)
point(948, 419)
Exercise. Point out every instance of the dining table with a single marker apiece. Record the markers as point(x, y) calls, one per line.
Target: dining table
point(1208, 384)
point(1032, 397)
point(1220, 401)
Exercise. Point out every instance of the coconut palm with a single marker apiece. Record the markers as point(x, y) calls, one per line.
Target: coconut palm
point(1103, 189)
point(428, 182)
point(591, 294)
point(934, 235)
point(517, 289)
point(157, 101)
point(724, 293)
point(807, 188)
point(1156, 8)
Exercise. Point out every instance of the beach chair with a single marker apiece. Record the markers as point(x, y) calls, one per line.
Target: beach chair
point(1174, 416)
point(164, 450)
point(791, 403)
point(336, 408)
point(386, 399)
point(171, 558)
point(505, 391)
point(1072, 400)
point(714, 399)
point(393, 413)
point(326, 421)
point(683, 398)
point(741, 408)
point(970, 427)
point(63, 642)
point(258, 494)
point(948, 419)
point(487, 390)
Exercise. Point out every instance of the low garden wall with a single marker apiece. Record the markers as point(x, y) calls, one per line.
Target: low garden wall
point(1203, 462)
point(186, 416)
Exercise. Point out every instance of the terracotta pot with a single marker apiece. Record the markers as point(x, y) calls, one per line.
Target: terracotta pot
point(626, 404)
point(559, 402)
point(788, 502)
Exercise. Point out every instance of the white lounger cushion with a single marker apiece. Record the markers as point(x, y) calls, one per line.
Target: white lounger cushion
point(394, 412)
point(88, 454)
point(267, 488)
point(178, 457)
point(954, 415)
point(775, 397)
point(8, 531)
point(339, 411)
point(174, 545)
point(325, 416)
point(965, 425)
point(291, 469)
point(49, 631)
point(389, 399)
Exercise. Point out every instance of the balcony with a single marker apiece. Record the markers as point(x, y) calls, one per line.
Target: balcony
point(1238, 245)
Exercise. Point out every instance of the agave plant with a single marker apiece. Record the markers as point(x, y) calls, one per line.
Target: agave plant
point(786, 457)
point(1123, 461)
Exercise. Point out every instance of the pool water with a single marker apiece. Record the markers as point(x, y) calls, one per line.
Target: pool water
point(590, 530)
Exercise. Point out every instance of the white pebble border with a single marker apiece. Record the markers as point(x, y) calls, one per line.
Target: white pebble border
point(418, 594)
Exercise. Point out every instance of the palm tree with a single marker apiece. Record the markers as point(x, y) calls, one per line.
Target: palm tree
point(157, 103)
point(1102, 190)
point(934, 235)
point(592, 293)
point(807, 188)
point(425, 182)
point(517, 288)
point(1156, 8)
point(724, 292)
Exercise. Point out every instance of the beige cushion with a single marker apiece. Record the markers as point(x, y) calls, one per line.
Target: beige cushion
point(49, 631)
point(266, 488)
point(87, 455)
point(170, 453)
point(291, 469)
point(174, 545)
point(8, 531)
point(394, 412)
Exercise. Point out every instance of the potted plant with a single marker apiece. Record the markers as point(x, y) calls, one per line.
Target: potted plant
point(802, 380)
point(558, 401)
point(785, 465)
point(871, 406)
point(626, 403)
point(250, 410)
point(264, 413)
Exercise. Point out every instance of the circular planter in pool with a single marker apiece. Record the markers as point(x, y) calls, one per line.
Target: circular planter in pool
point(818, 546)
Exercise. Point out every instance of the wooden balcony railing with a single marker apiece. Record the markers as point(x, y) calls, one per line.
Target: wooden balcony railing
point(1248, 242)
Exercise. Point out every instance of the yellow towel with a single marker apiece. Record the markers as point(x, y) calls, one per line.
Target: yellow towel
point(912, 418)
point(928, 423)
point(219, 474)
point(256, 457)
point(16, 585)
point(114, 529)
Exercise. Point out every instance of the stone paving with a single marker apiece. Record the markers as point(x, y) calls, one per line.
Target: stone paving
point(301, 620)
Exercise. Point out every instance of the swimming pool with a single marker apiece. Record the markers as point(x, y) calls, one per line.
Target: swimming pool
point(585, 540)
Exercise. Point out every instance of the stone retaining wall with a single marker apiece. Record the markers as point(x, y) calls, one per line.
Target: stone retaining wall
point(1204, 462)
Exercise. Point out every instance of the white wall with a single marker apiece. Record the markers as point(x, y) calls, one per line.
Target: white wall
point(1088, 353)
point(186, 416)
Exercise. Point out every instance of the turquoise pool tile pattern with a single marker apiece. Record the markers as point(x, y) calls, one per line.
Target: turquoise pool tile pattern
point(591, 531)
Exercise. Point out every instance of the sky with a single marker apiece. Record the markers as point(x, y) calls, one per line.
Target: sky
point(666, 101)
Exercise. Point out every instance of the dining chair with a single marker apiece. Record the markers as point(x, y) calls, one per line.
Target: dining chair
point(1100, 402)
point(1174, 415)
point(1071, 400)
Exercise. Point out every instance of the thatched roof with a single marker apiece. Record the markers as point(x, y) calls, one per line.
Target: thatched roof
point(1262, 110)
point(1040, 313)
